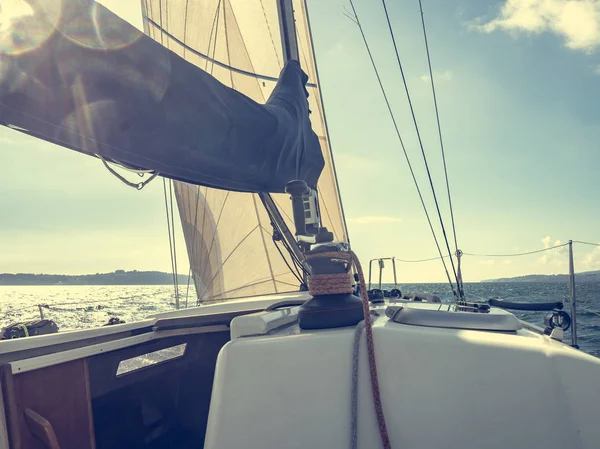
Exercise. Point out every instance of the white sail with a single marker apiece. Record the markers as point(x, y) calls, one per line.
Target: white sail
point(228, 234)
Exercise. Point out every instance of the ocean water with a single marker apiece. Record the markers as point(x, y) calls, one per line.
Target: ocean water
point(82, 306)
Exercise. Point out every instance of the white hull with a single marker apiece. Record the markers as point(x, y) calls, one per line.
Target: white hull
point(278, 386)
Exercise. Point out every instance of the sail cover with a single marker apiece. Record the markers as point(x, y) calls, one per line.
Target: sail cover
point(73, 73)
point(228, 235)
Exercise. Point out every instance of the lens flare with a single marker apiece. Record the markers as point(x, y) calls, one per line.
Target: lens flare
point(26, 24)
point(99, 29)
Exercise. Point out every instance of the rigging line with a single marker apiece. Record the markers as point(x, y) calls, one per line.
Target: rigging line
point(389, 107)
point(227, 44)
point(412, 111)
point(214, 235)
point(294, 272)
point(516, 254)
point(264, 242)
point(420, 260)
point(193, 252)
point(270, 34)
point(185, 22)
point(258, 76)
point(321, 104)
point(297, 263)
point(161, 22)
point(214, 27)
point(208, 59)
point(230, 254)
point(276, 228)
point(167, 20)
point(586, 243)
point(174, 243)
point(206, 210)
point(169, 232)
point(298, 269)
point(247, 53)
point(212, 67)
point(437, 117)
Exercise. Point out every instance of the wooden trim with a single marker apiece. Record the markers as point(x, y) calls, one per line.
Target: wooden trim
point(3, 426)
point(41, 428)
point(10, 407)
point(88, 395)
point(23, 366)
point(60, 395)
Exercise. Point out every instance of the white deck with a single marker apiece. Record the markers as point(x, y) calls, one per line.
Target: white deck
point(278, 386)
point(441, 388)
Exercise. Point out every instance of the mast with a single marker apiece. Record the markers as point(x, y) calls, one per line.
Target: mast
point(291, 51)
point(318, 81)
point(289, 41)
point(289, 45)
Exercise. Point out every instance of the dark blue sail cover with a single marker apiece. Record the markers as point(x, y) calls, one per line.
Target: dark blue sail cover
point(75, 74)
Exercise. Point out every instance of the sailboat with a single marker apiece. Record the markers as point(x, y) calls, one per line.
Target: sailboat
point(223, 98)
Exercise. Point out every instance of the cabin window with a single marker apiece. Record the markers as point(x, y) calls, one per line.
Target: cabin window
point(151, 358)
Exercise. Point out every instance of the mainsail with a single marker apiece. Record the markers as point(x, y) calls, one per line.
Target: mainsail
point(75, 74)
point(228, 235)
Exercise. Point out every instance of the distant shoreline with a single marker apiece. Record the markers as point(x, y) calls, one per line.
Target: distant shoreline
point(586, 276)
point(118, 277)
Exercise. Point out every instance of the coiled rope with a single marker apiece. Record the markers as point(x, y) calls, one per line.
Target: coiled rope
point(339, 283)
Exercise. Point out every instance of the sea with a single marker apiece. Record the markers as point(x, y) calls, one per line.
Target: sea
point(85, 306)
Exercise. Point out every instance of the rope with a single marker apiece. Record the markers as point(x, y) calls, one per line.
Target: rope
point(354, 407)
point(412, 111)
point(517, 254)
point(136, 185)
point(328, 284)
point(393, 117)
point(351, 258)
point(421, 260)
point(586, 243)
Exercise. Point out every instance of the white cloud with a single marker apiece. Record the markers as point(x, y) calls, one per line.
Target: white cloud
point(487, 262)
point(576, 21)
point(547, 241)
point(592, 259)
point(374, 219)
point(446, 75)
point(507, 262)
point(552, 255)
point(597, 70)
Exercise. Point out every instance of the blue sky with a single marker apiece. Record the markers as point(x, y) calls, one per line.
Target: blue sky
point(518, 86)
